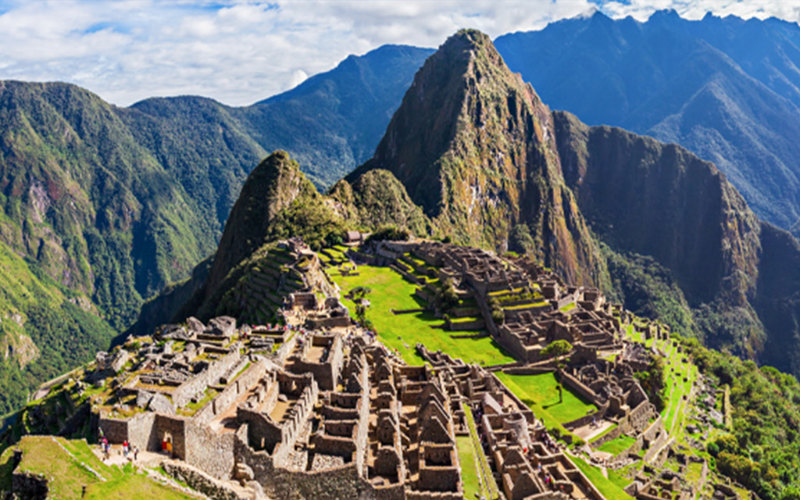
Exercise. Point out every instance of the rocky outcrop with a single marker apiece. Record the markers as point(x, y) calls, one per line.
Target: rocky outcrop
point(377, 198)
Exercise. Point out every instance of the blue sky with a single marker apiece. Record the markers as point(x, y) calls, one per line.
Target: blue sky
point(241, 51)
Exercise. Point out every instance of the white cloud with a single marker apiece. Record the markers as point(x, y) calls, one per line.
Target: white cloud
point(241, 51)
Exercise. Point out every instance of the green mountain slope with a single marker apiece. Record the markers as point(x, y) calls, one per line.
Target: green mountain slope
point(116, 203)
point(45, 329)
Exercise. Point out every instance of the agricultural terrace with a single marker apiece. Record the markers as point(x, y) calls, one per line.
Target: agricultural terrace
point(71, 465)
point(680, 374)
point(391, 292)
point(539, 392)
point(476, 472)
point(610, 483)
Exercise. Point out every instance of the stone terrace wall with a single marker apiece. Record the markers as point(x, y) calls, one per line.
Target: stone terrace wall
point(235, 389)
point(333, 484)
point(183, 393)
point(609, 436)
point(209, 451)
point(199, 481)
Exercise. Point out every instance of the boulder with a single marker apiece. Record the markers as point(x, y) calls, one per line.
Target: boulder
point(223, 325)
point(143, 398)
point(243, 473)
point(195, 325)
point(160, 404)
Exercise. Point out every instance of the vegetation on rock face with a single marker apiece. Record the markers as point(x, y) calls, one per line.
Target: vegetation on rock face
point(660, 201)
point(474, 147)
point(376, 199)
point(277, 202)
point(648, 290)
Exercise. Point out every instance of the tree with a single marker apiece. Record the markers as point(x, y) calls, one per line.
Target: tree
point(498, 316)
point(556, 348)
point(446, 294)
point(520, 239)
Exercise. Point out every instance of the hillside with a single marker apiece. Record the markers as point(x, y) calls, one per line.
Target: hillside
point(725, 88)
point(116, 203)
point(45, 329)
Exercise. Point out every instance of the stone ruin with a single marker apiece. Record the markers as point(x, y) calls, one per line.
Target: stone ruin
point(537, 307)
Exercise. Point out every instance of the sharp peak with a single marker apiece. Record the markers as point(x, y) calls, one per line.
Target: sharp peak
point(469, 36)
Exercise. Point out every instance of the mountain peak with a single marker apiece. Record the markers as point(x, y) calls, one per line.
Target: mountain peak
point(473, 146)
point(270, 188)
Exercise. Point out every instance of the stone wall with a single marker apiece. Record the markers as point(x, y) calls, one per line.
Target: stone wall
point(285, 350)
point(609, 436)
point(29, 486)
point(209, 451)
point(332, 484)
point(576, 385)
point(141, 432)
point(197, 384)
point(229, 395)
point(199, 481)
point(114, 429)
point(587, 419)
point(175, 428)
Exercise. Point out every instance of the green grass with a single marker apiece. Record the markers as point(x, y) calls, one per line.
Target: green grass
point(489, 486)
point(469, 468)
point(603, 433)
point(391, 291)
point(618, 445)
point(567, 307)
point(540, 394)
point(69, 471)
point(612, 487)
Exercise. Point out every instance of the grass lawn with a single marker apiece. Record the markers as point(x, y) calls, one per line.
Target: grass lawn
point(67, 468)
point(469, 469)
point(487, 486)
point(390, 291)
point(618, 445)
point(611, 487)
point(540, 394)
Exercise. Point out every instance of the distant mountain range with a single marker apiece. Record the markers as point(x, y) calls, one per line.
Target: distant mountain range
point(725, 88)
point(474, 155)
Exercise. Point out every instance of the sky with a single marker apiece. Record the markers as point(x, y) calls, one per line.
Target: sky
point(239, 52)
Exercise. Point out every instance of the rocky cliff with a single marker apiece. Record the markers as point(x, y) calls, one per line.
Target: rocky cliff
point(645, 197)
point(474, 147)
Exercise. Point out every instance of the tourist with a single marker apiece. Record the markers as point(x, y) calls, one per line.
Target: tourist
point(125, 447)
point(135, 453)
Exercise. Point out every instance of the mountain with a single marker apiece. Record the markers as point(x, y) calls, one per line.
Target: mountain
point(473, 146)
point(112, 204)
point(644, 197)
point(703, 260)
point(725, 88)
point(332, 121)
